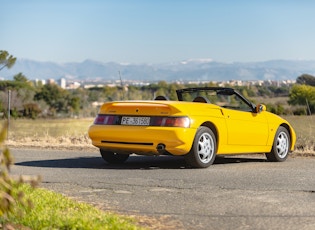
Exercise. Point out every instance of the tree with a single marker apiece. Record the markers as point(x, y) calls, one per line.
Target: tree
point(58, 99)
point(20, 78)
point(31, 110)
point(303, 95)
point(54, 96)
point(306, 79)
point(75, 104)
point(6, 60)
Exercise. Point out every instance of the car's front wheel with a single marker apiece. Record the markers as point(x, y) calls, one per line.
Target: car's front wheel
point(112, 157)
point(203, 151)
point(281, 146)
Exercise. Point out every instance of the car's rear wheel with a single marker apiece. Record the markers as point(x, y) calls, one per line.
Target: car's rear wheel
point(112, 157)
point(203, 151)
point(281, 146)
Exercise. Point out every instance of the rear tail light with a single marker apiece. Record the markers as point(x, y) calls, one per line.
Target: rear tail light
point(105, 120)
point(171, 122)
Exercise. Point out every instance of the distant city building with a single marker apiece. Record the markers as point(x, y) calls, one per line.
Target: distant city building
point(62, 83)
point(70, 84)
point(51, 81)
point(74, 85)
point(39, 82)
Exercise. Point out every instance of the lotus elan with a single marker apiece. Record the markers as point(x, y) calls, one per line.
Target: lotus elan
point(202, 123)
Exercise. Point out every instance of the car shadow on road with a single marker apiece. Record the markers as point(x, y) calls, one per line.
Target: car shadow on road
point(134, 162)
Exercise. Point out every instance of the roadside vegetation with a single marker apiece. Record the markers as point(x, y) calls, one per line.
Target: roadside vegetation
point(49, 210)
point(305, 130)
point(23, 206)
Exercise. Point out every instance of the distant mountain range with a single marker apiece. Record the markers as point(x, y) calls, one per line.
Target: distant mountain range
point(189, 70)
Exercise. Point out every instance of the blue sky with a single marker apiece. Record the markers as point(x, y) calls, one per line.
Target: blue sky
point(147, 31)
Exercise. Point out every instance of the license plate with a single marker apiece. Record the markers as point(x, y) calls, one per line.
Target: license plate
point(135, 121)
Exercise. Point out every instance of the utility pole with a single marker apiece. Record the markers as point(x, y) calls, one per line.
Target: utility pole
point(122, 86)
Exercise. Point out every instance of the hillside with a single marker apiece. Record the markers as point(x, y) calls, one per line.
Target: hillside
point(200, 69)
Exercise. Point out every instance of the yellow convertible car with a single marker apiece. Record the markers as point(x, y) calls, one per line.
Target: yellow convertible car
point(203, 123)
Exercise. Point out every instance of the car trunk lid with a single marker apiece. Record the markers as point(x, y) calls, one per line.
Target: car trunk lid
point(140, 108)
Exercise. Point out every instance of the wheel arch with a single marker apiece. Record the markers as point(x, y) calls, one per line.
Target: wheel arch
point(214, 129)
point(290, 131)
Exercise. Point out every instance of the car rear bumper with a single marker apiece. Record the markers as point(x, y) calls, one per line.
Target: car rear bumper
point(143, 140)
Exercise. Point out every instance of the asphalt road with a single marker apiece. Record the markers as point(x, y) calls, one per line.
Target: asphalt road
point(234, 193)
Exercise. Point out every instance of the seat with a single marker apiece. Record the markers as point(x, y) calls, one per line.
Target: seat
point(201, 99)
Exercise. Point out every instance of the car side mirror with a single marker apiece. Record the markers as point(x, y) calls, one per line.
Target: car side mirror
point(260, 108)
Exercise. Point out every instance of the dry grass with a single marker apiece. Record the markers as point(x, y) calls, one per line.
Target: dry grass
point(72, 133)
point(50, 133)
point(304, 127)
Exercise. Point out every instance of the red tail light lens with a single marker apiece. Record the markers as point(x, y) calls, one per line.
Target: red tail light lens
point(105, 120)
point(171, 122)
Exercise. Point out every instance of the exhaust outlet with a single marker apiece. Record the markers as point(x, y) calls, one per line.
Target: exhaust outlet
point(160, 148)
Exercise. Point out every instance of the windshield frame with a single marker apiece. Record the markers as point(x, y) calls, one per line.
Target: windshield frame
point(218, 91)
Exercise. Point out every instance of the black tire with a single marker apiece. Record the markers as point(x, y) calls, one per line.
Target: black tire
point(281, 146)
point(113, 158)
point(203, 150)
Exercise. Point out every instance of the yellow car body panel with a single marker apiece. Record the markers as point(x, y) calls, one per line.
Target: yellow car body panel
point(253, 132)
